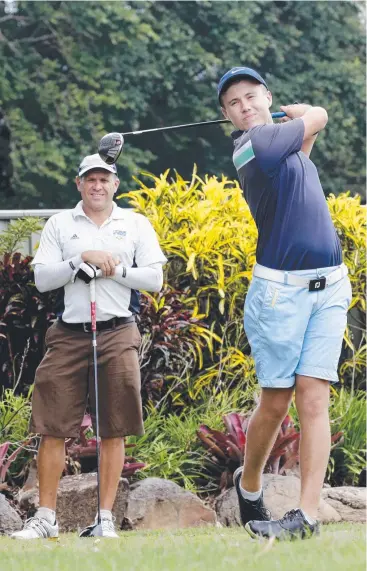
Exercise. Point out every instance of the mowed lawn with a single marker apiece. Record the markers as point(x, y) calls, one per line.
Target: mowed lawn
point(340, 547)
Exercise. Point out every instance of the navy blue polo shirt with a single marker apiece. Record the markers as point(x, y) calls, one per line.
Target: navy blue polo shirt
point(283, 190)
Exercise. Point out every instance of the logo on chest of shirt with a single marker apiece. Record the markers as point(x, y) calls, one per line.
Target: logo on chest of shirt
point(119, 234)
point(75, 237)
point(243, 155)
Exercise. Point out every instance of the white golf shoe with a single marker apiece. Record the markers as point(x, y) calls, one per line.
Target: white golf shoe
point(108, 527)
point(105, 529)
point(37, 528)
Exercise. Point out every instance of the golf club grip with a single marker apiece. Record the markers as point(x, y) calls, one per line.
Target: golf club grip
point(92, 288)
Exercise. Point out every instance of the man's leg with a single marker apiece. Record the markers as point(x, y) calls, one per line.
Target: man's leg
point(50, 464)
point(261, 434)
point(112, 463)
point(312, 401)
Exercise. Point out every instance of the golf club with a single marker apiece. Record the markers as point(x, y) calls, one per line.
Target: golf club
point(94, 530)
point(110, 146)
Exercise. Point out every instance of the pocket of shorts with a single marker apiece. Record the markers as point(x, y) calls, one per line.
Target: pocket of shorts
point(272, 298)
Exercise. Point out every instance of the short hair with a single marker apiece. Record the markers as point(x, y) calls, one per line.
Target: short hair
point(238, 79)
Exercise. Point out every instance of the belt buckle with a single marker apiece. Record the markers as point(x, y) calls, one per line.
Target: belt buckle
point(317, 285)
point(87, 327)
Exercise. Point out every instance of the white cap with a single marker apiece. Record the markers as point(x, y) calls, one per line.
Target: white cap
point(95, 162)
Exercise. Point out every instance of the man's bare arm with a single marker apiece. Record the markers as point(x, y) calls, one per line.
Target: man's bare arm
point(314, 118)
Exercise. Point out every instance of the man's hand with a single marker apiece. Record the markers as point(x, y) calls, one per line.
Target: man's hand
point(103, 260)
point(295, 111)
point(314, 118)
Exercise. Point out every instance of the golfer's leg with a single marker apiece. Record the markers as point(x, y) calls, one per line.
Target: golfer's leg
point(50, 463)
point(261, 434)
point(312, 401)
point(319, 360)
point(112, 463)
point(58, 404)
point(120, 411)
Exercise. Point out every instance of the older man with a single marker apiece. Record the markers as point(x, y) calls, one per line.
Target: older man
point(124, 246)
point(296, 307)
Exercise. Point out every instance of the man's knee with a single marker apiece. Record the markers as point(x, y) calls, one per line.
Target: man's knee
point(312, 397)
point(275, 403)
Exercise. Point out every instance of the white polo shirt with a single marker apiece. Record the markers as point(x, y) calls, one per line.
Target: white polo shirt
point(126, 234)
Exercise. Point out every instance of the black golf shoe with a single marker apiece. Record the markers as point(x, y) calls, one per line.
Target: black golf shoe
point(292, 525)
point(250, 510)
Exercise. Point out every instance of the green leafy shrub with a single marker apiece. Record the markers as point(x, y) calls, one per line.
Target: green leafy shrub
point(348, 414)
point(17, 232)
point(15, 444)
point(170, 446)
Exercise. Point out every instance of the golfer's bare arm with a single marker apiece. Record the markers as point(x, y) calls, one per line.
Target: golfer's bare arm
point(314, 118)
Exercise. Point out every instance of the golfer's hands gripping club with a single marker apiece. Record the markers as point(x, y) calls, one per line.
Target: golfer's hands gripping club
point(294, 111)
point(105, 261)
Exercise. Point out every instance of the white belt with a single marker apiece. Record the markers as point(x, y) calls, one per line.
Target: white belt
point(315, 284)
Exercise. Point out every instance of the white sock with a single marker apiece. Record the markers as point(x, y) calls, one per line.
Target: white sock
point(48, 514)
point(252, 496)
point(105, 514)
point(309, 519)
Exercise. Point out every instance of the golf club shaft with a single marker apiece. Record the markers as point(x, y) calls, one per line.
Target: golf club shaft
point(92, 287)
point(276, 115)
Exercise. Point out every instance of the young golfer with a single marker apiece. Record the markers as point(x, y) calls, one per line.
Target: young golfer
point(96, 231)
point(296, 307)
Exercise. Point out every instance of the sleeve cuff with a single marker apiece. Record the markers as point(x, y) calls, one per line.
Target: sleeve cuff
point(75, 263)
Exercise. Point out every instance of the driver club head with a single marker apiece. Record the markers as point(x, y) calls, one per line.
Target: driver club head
point(110, 147)
point(94, 530)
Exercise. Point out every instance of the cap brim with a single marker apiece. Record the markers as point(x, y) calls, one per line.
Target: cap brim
point(236, 76)
point(97, 167)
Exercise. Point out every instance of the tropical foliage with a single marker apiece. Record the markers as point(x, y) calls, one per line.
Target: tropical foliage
point(195, 359)
point(72, 71)
point(209, 237)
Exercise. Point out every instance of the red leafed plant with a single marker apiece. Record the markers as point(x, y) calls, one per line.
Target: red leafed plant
point(84, 451)
point(227, 449)
point(174, 344)
point(6, 460)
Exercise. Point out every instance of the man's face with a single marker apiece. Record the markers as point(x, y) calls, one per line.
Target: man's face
point(246, 104)
point(97, 188)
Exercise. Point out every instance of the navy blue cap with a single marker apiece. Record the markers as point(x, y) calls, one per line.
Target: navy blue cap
point(239, 72)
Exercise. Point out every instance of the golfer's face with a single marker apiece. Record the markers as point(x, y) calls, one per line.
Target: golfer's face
point(246, 105)
point(97, 188)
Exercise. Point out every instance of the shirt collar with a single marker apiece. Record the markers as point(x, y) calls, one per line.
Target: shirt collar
point(116, 214)
point(236, 134)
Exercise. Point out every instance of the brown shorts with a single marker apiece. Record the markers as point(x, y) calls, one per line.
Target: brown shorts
point(65, 379)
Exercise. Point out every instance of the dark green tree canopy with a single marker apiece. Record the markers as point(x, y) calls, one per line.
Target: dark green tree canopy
point(72, 71)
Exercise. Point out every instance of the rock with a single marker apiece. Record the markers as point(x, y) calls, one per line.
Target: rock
point(348, 501)
point(160, 504)
point(77, 501)
point(227, 509)
point(10, 521)
point(281, 493)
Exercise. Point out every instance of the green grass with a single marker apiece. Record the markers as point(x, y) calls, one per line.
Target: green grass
point(341, 547)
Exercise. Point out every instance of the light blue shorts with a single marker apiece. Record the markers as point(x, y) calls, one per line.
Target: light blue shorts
point(292, 330)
